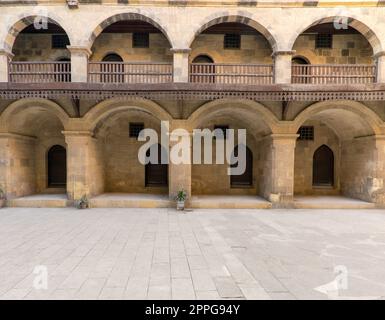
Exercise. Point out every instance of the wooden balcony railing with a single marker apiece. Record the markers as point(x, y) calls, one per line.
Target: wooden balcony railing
point(334, 74)
point(122, 72)
point(38, 72)
point(231, 73)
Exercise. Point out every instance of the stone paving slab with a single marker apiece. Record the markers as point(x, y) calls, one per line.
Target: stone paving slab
point(204, 254)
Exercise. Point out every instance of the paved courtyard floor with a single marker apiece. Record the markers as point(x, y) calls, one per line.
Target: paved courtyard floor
point(203, 254)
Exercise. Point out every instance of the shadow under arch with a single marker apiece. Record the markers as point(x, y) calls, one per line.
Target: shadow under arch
point(225, 17)
point(124, 17)
point(362, 28)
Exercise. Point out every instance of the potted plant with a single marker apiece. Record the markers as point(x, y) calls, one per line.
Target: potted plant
point(2, 198)
point(180, 199)
point(83, 202)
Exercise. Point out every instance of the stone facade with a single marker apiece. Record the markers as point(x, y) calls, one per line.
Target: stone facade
point(102, 158)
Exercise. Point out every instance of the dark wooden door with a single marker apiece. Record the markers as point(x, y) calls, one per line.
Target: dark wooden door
point(245, 179)
point(57, 166)
point(156, 173)
point(323, 166)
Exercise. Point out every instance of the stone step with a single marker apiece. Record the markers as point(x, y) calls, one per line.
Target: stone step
point(229, 202)
point(41, 201)
point(331, 202)
point(130, 201)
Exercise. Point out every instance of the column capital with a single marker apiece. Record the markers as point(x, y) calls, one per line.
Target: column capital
point(5, 52)
point(284, 136)
point(379, 54)
point(80, 50)
point(283, 53)
point(6, 135)
point(180, 50)
point(77, 133)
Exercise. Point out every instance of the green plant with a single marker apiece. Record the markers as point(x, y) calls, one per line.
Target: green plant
point(83, 202)
point(181, 195)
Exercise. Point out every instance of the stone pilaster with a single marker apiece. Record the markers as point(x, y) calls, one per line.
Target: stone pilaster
point(282, 148)
point(181, 65)
point(180, 174)
point(79, 63)
point(380, 64)
point(84, 176)
point(5, 58)
point(282, 66)
point(17, 168)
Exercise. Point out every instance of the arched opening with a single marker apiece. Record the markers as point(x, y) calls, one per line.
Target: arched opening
point(323, 167)
point(203, 58)
point(156, 174)
point(113, 68)
point(112, 57)
point(40, 55)
point(242, 54)
point(245, 179)
point(118, 147)
point(57, 166)
point(38, 151)
point(334, 154)
point(339, 55)
point(299, 61)
point(141, 44)
point(202, 64)
point(211, 178)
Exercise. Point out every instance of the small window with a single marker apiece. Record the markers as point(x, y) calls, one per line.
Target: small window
point(223, 128)
point(135, 129)
point(60, 41)
point(140, 40)
point(306, 133)
point(324, 40)
point(232, 41)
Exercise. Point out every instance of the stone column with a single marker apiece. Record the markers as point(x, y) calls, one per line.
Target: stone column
point(83, 174)
point(377, 182)
point(179, 174)
point(282, 66)
point(79, 63)
point(17, 165)
point(5, 58)
point(282, 169)
point(181, 65)
point(380, 64)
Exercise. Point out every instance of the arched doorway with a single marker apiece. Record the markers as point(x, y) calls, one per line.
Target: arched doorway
point(202, 64)
point(57, 166)
point(245, 179)
point(112, 68)
point(300, 70)
point(156, 174)
point(323, 167)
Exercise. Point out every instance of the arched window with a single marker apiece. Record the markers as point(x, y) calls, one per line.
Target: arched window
point(156, 174)
point(323, 167)
point(203, 59)
point(300, 71)
point(202, 69)
point(245, 179)
point(57, 166)
point(112, 57)
point(112, 68)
